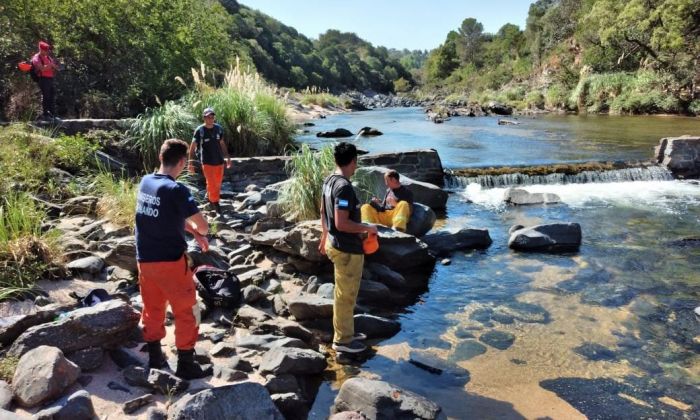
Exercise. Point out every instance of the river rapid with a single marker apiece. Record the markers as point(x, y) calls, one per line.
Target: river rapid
point(607, 332)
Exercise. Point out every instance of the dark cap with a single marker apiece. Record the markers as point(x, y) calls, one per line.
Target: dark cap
point(208, 111)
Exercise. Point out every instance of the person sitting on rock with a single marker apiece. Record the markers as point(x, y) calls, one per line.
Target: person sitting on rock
point(395, 209)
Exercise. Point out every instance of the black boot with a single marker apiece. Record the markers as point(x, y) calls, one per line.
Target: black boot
point(187, 368)
point(156, 358)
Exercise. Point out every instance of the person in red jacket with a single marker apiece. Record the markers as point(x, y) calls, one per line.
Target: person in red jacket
point(45, 67)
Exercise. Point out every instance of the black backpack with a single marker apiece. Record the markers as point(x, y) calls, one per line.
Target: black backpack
point(217, 287)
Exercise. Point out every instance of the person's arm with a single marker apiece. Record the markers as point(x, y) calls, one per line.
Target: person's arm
point(324, 233)
point(344, 224)
point(190, 156)
point(224, 152)
point(199, 228)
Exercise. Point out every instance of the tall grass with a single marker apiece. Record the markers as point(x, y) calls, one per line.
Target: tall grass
point(26, 254)
point(117, 201)
point(317, 96)
point(153, 127)
point(301, 197)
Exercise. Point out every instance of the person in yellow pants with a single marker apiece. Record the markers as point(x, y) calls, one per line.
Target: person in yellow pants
point(395, 209)
point(342, 243)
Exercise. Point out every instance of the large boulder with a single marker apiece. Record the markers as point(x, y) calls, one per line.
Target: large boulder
point(401, 251)
point(444, 243)
point(429, 194)
point(292, 360)
point(42, 374)
point(422, 220)
point(12, 326)
point(303, 240)
point(122, 254)
point(311, 307)
point(105, 323)
point(247, 400)
point(375, 326)
point(369, 131)
point(381, 400)
point(77, 406)
point(550, 237)
point(519, 197)
point(338, 132)
point(680, 155)
point(499, 108)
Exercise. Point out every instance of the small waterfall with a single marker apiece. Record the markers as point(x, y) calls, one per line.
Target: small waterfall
point(648, 173)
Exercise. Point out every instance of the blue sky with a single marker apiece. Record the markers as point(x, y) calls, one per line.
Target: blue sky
point(411, 24)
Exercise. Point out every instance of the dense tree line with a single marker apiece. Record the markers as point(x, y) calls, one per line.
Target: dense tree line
point(124, 55)
point(631, 56)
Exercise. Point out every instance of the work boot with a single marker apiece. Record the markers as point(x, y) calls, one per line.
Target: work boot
point(187, 368)
point(156, 358)
point(217, 208)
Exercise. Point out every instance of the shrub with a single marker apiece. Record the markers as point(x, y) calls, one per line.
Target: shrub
point(75, 153)
point(8, 364)
point(153, 127)
point(694, 107)
point(301, 197)
point(25, 158)
point(534, 99)
point(401, 85)
point(117, 198)
point(555, 97)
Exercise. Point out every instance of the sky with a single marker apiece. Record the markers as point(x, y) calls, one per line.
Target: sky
point(400, 24)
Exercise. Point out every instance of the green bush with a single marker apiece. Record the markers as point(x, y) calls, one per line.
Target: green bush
point(694, 107)
point(25, 158)
point(534, 99)
point(76, 153)
point(117, 201)
point(323, 99)
point(556, 96)
point(401, 85)
point(301, 197)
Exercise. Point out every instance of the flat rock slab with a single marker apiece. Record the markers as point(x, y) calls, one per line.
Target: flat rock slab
point(12, 326)
point(303, 240)
point(107, 322)
point(166, 383)
point(305, 307)
point(293, 360)
point(467, 350)
point(497, 339)
point(554, 237)
point(401, 251)
point(268, 237)
point(445, 243)
point(375, 326)
point(382, 400)
point(246, 400)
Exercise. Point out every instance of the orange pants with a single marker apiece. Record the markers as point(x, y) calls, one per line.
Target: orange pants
point(163, 282)
point(214, 175)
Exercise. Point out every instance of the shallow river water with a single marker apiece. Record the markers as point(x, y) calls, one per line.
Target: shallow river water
point(607, 332)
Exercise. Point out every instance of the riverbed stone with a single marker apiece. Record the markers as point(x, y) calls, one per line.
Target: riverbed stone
point(87, 265)
point(5, 395)
point(553, 237)
point(12, 327)
point(293, 360)
point(268, 237)
point(122, 253)
point(466, 350)
point(138, 402)
point(681, 155)
point(87, 359)
point(302, 240)
point(252, 294)
point(281, 384)
point(42, 374)
point(288, 328)
point(501, 340)
point(326, 290)
point(521, 197)
point(166, 383)
point(401, 251)
point(268, 342)
point(444, 243)
point(421, 221)
point(291, 404)
point(375, 326)
point(386, 275)
point(595, 352)
point(249, 316)
point(77, 406)
point(337, 133)
point(308, 306)
point(247, 400)
point(382, 400)
point(105, 323)
point(374, 292)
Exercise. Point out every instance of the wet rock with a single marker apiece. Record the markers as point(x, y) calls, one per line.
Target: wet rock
point(554, 237)
point(78, 406)
point(463, 333)
point(444, 243)
point(12, 326)
point(282, 384)
point(166, 383)
point(373, 291)
point(326, 290)
point(369, 131)
point(5, 395)
point(88, 265)
point(499, 108)
point(246, 400)
point(107, 322)
point(305, 307)
point(386, 275)
point(422, 220)
point(87, 359)
point(610, 295)
point(249, 316)
point(375, 326)
point(423, 192)
point(337, 133)
point(399, 250)
point(291, 405)
point(595, 352)
point(466, 350)
point(293, 360)
point(382, 400)
point(524, 312)
point(252, 294)
point(450, 373)
point(42, 374)
point(520, 197)
point(501, 340)
point(138, 402)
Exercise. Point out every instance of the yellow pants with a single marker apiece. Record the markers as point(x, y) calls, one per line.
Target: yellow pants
point(396, 218)
point(348, 274)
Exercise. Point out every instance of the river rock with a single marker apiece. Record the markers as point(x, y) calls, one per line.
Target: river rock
point(268, 237)
point(292, 360)
point(550, 237)
point(401, 251)
point(326, 290)
point(252, 294)
point(87, 359)
point(369, 131)
point(105, 323)
point(423, 192)
point(303, 240)
point(595, 352)
point(499, 108)
point(497, 339)
point(136, 376)
point(249, 316)
point(78, 406)
point(348, 415)
point(386, 275)
point(12, 327)
point(229, 375)
point(268, 223)
point(138, 402)
point(518, 196)
point(305, 307)
point(422, 220)
point(247, 400)
point(375, 326)
point(288, 328)
point(268, 342)
point(382, 400)
point(122, 254)
point(291, 405)
point(681, 155)
point(42, 374)
point(338, 132)
point(444, 243)
point(166, 383)
point(466, 350)
point(82, 205)
point(87, 265)
point(374, 291)
point(281, 384)
point(5, 395)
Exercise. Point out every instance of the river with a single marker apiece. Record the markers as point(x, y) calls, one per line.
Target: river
point(607, 332)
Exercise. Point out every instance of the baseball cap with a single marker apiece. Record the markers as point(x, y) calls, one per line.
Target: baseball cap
point(208, 111)
point(43, 45)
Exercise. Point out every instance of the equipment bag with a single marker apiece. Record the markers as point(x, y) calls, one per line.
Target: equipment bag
point(217, 287)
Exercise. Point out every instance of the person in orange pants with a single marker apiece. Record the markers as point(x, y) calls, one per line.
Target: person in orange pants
point(208, 141)
point(164, 211)
point(395, 209)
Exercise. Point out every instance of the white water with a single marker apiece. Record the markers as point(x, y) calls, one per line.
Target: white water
point(660, 195)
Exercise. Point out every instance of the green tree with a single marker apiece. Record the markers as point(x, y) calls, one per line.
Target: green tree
point(468, 43)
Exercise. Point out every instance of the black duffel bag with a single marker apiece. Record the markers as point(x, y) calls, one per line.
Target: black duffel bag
point(217, 287)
